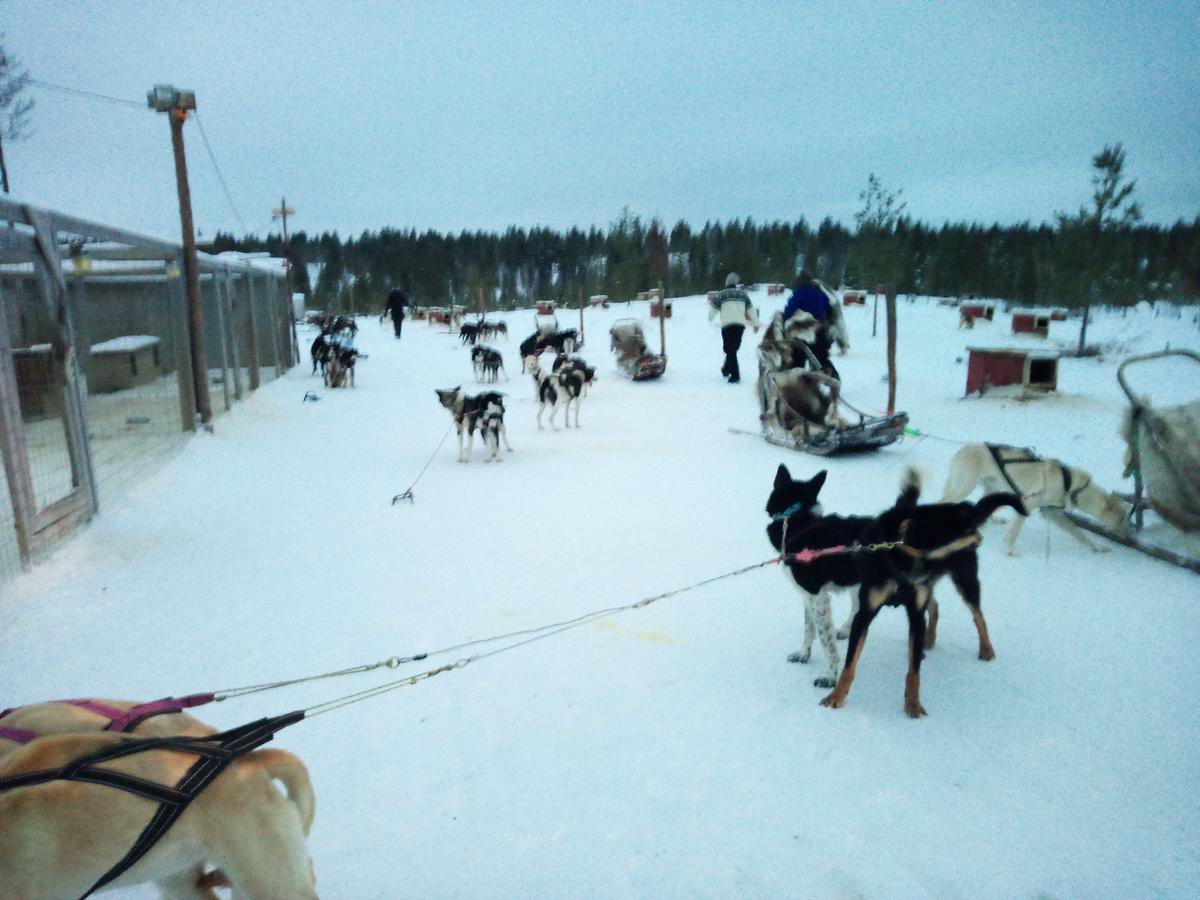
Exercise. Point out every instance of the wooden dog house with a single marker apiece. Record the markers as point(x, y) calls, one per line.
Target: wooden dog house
point(993, 367)
point(977, 310)
point(854, 298)
point(1058, 314)
point(438, 315)
point(1031, 323)
point(123, 362)
point(545, 307)
point(657, 308)
point(598, 300)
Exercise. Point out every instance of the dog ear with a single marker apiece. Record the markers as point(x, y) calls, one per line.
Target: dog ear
point(817, 482)
point(782, 476)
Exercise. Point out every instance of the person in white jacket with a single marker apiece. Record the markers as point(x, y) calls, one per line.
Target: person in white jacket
point(734, 306)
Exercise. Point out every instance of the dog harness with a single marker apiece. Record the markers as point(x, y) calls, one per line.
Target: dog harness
point(216, 752)
point(121, 720)
point(1070, 492)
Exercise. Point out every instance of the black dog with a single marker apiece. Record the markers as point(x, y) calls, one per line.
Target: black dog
point(586, 373)
point(488, 363)
point(321, 350)
point(914, 546)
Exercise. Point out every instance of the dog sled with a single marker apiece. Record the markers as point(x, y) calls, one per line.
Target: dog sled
point(799, 407)
point(1163, 456)
point(633, 355)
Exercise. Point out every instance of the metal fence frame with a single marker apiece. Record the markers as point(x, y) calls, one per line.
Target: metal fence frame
point(248, 325)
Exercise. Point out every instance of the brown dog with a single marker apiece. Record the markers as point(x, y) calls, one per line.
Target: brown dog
point(60, 837)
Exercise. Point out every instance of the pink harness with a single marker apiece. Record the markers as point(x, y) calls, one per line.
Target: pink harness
point(121, 720)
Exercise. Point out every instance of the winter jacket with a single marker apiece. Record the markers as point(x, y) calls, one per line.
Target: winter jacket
point(396, 301)
point(735, 308)
point(811, 299)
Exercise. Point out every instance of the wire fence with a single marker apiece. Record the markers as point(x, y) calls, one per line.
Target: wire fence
point(97, 381)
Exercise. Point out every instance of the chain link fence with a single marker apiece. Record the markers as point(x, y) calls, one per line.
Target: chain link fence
point(97, 381)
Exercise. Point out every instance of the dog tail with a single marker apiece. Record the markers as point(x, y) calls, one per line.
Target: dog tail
point(910, 488)
point(288, 768)
point(992, 502)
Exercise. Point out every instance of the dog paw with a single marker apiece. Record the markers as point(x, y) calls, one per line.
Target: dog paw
point(833, 701)
point(843, 634)
point(987, 653)
point(799, 657)
point(914, 710)
point(824, 682)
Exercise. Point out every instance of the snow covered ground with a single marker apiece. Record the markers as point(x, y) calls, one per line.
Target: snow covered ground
point(671, 750)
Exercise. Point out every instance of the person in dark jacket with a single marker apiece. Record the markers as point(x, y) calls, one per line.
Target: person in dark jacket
point(808, 297)
point(396, 301)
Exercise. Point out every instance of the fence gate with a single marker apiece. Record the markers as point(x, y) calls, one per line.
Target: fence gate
point(47, 463)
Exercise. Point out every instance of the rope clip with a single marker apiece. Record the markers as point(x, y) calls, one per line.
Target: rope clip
point(407, 495)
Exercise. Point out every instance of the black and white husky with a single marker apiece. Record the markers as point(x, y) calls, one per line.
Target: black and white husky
point(488, 363)
point(577, 364)
point(555, 390)
point(483, 411)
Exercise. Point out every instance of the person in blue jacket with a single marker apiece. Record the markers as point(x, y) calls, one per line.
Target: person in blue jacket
point(808, 297)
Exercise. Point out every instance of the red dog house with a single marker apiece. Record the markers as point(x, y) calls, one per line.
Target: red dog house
point(598, 300)
point(1031, 323)
point(656, 309)
point(854, 298)
point(438, 315)
point(978, 310)
point(1058, 314)
point(545, 307)
point(993, 367)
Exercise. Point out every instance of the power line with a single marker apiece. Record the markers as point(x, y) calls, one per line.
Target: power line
point(220, 177)
point(62, 89)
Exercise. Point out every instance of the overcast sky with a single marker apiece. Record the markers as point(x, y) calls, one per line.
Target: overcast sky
point(480, 115)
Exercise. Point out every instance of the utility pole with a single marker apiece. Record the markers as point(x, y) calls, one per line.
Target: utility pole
point(282, 213)
point(176, 103)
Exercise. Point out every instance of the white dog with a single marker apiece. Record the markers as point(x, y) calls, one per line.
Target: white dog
point(1046, 484)
point(60, 837)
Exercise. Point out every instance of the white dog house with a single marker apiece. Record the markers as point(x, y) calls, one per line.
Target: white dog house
point(123, 362)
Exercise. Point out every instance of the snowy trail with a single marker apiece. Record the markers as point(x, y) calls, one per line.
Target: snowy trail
point(671, 750)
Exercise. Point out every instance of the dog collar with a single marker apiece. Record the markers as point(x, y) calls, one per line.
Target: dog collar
point(788, 513)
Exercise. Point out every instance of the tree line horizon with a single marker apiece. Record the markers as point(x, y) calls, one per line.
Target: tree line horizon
point(1103, 255)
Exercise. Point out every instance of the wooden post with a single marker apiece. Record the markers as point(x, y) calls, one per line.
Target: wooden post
point(177, 116)
point(224, 345)
point(662, 319)
point(178, 317)
point(581, 314)
point(225, 295)
point(13, 448)
point(889, 292)
point(251, 333)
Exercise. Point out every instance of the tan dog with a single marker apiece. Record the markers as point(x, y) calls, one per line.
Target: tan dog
point(63, 718)
point(1046, 484)
point(59, 838)
point(189, 879)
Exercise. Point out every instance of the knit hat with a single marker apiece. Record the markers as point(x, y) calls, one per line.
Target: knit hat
point(732, 279)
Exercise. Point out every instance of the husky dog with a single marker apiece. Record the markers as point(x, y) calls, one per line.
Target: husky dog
point(1048, 485)
point(341, 366)
point(577, 364)
point(555, 390)
point(488, 363)
point(469, 413)
point(921, 543)
point(320, 351)
point(468, 333)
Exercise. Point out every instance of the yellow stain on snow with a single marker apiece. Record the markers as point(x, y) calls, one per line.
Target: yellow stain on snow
point(641, 634)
